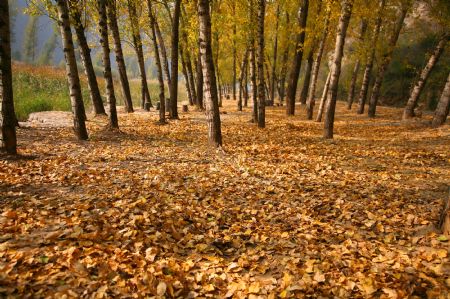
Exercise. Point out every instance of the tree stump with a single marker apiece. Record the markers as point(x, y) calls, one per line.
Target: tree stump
point(158, 106)
point(147, 106)
point(444, 221)
point(185, 108)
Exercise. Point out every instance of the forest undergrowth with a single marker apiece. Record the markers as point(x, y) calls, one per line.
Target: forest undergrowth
point(278, 212)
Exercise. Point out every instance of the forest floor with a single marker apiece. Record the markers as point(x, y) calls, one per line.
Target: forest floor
point(279, 212)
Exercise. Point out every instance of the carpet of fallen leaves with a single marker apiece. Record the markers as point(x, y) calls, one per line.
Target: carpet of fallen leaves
point(278, 213)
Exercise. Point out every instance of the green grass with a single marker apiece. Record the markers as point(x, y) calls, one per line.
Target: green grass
point(41, 89)
point(44, 88)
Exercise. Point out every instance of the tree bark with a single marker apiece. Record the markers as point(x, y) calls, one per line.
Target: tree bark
point(200, 82)
point(174, 61)
point(297, 63)
point(385, 61)
point(8, 138)
point(275, 57)
point(347, 7)
point(311, 101)
point(112, 18)
point(162, 98)
point(76, 99)
point(110, 95)
point(241, 80)
point(85, 52)
point(191, 75)
point(418, 86)
point(370, 60)
point(324, 98)
point(307, 80)
point(261, 83)
point(137, 44)
point(165, 61)
point(234, 54)
point(442, 109)
point(210, 87)
point(351, 92)
point(185, 75)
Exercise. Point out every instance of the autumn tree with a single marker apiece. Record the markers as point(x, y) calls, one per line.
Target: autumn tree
point(73, 78)
point(209, 76)
point(107, 74)
point(174, 60)
point(442, 109)
point(8, 139)
point(297, 62)
point(347, 6)
point(76, 16)
point(30, 40)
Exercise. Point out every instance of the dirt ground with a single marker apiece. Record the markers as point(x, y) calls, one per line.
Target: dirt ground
point(153, 211)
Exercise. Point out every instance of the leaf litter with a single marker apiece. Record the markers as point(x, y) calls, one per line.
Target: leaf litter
point(278, 213)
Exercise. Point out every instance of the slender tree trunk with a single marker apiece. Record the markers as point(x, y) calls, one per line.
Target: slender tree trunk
point(254, 84)
point(137, 44)
point(324, 98)
point(315, 72)
point(261, 83)
point(85, 52)
point(8, 139)
point(275, 56)
point(163, 55)
point(210, 88)
point(76, 98)
point(347, 6)
point(112, 18)
point(234, 54)
point(110, 95)
point(418, 86)
point(185, 75)
point(307, 80)
point(352, 88)
point(174, 61)
point(241, 79)
point(191, 75)
point(297, 63)
point(442, 109)
point(351, 92)
point(200, 82)
point(385, 61)
point(246, 86)
point(283, 73)
point(162, 98)
point(370, 60)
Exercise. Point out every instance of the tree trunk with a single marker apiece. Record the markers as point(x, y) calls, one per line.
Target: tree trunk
point(311, 101)
point(351, 92)
point(418, 86)
point(234, 54)
point(8, 139)
point(76, 98)
point(174, 61)
point(385, 61)
point(162, 98)
point(307, 80)
point(347, 6)
point(137, 44)
point(200, 82)
point(275, 56)
point(110, 95)
point(254, 84)
point(442, 109)
point(241, 79)
point(85, 52)
point(210, 88)
point(163, 54)
point(297, 63)
point(185, 75)
point(191, 75)
point(324, 98)
point(352, 88)
point(246, 86)
point(261, 83)
point(369, 63)
point(112, 18)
